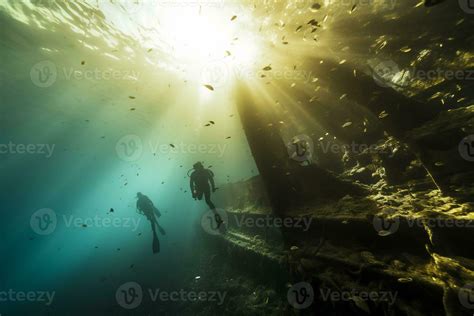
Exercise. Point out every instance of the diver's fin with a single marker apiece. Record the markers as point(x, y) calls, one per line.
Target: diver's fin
point(157, 212)
point(162, 231)
point(156, 244)
point(220, 223)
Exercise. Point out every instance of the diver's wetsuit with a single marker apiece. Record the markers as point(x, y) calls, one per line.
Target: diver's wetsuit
point(146, 207)
point(199, 183)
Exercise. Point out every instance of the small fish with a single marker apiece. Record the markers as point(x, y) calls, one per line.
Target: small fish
point(267, 68)
point(313, 22)
point(405, 280)
point(209, 87)
point(384, 233)
point(315, 7)
point(111, 210)
point(131, 97)
point(405, 49)
point(83, 62)
point(172, 145)
point(212, 122)
point(347, 124)
point(383, 114)
point(233, 18)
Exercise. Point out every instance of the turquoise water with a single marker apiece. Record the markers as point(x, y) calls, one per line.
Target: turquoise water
point(79, 128)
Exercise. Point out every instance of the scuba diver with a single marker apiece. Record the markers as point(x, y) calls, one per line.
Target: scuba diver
point(145, 207)
point(199, 183)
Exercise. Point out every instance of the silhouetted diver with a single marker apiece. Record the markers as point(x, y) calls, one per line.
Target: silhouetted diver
point(199, 183)
point(145, 207)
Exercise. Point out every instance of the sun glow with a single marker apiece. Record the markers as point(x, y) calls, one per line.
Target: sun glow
point(208, 43)
point(193, 37)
